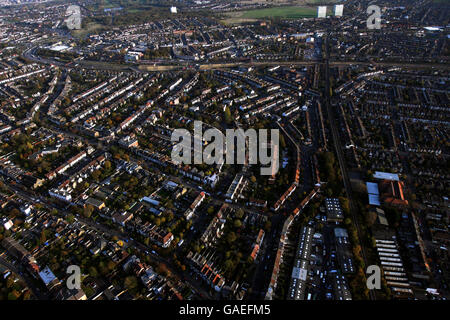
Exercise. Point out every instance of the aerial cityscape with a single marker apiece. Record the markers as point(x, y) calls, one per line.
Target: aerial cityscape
point(224, 150)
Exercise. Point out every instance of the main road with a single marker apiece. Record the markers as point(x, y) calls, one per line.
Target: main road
point(30, 54)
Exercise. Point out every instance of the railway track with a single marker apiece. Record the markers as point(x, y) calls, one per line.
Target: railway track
point(340, 156)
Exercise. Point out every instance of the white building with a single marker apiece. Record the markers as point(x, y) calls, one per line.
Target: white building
point(338, 10)
point(321, 12)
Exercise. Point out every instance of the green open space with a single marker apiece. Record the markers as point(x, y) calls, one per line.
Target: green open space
point(293, 12)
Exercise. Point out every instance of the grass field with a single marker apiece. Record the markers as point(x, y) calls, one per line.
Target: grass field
point(290, 12)
point(106, 4)
point(89, 29)
point(282, 12)
point(290, 2)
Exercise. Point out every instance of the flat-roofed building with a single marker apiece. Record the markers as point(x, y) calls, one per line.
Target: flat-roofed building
point(338, 10)
point(297, 287)
point(321, 11)
point(334, 210)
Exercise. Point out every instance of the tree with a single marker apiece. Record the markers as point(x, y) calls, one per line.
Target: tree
point(282, 142)
point(96, 175)
point(237, 223)
point(103, 269)
point(27, 295)
point(9, 282)
point(345, 205)
point(169, 204)
point(162, 269)
point(93, 272)
point(371, 218)
point(231, 237)
point(87, 211)
point(14, 213)
point(227, 114)
point(130, 282)
point(70, 218)
point(267, 225)
point(43, 236)
point(13, 295)
point(228, 264)
point(357, 250)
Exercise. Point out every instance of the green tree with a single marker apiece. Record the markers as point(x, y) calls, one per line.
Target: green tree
point(93, 272)
point(231, 237)
point(87, 211)
point(130, 282)
point(227, 114)
point(228, 264)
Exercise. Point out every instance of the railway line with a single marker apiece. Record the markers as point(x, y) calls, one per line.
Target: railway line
point(341, 160)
